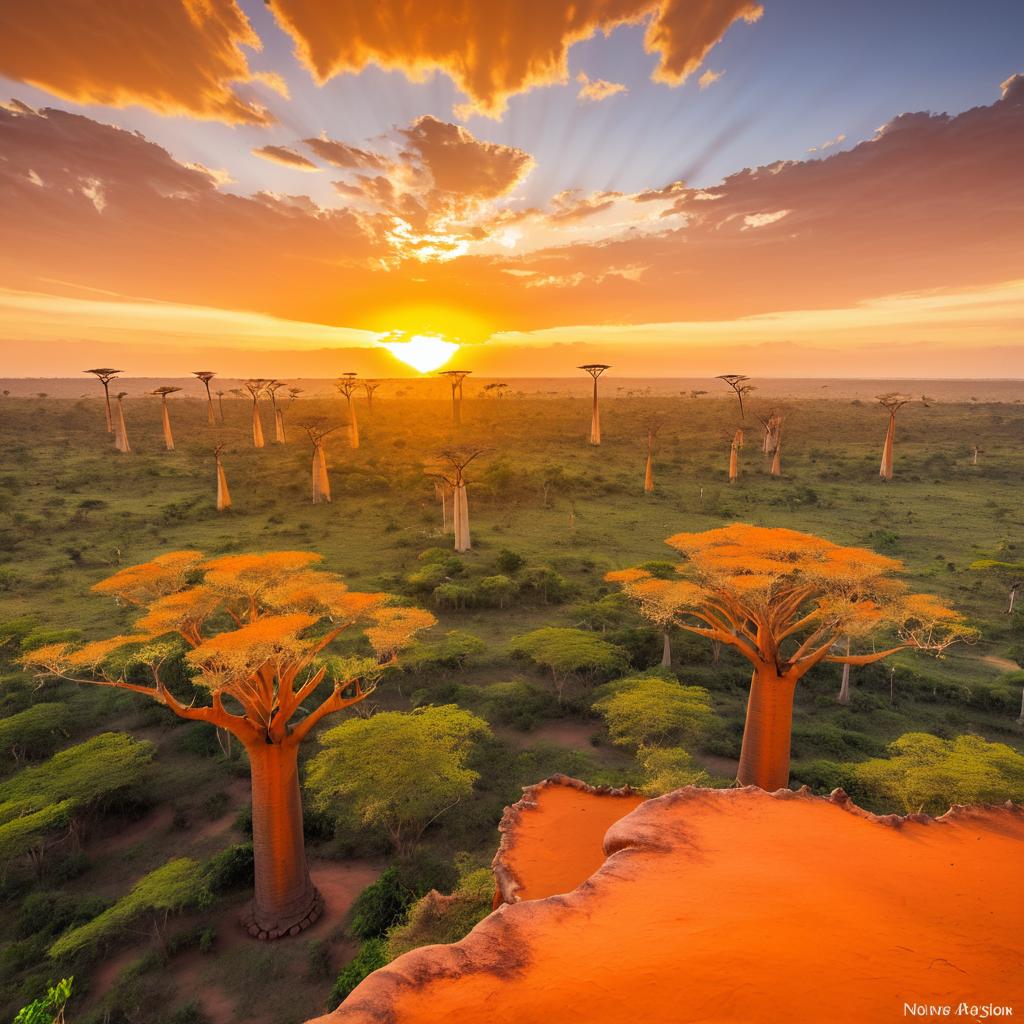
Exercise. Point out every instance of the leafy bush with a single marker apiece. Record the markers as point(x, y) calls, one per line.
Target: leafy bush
point(454, 651)
point(50, 913)
point(569, 652)
point(642, 711)
point(380, 905)
point(35, 731)
point(508, 562)
point(668, 768)
point(231, 869)
point(516, 703)
point(370, 957)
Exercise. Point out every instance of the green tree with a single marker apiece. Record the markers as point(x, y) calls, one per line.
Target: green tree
point(48, 1009)
point(34, 731)
point(497, 590)
point(568, 653)
point(668, 768)
point(926, 773)
point(397, 771)
point(177, 884)
point(644, 711)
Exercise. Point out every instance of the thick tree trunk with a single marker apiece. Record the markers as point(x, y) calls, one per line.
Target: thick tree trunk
point(353, 424)
point(844, 687)
point(321, 481)
point(121, 431)
point(595, 419)
point(223, 494)
point(168, 436)
point(885, 472)
point(211, 419)
point(734, 467)
point(776, 469)
point(460, 514)
point(278, 426)
point(286, 900)
point(666, 650)
point(257, 426)
point(106, 406)
point(764, 758)
point(649, 474)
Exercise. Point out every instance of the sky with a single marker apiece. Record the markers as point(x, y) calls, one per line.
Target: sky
point(674, 187)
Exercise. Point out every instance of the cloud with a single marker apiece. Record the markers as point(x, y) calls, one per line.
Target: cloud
point(490, 50)
point(341, 154)
point(597, 89)
point(709, 78)
point(839, 139)
point(285, 156)
point(173, 56)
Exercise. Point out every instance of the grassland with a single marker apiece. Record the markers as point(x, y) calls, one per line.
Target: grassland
point(72, 510)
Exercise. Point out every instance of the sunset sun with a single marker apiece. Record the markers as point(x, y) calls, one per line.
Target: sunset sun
point(423, 352)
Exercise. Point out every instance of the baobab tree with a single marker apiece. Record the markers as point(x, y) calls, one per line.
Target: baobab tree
point(272, 387)
point(369, 386)
point(738, 382)
point(256, 387)
point(317, 432)
point(348, 385)
point(456, 377)
point(105, 375)
point(220, 405)
point(454, 475)
point(975, 453)
point(776, 469)
point(163, 393)
point(120, 429)
point(735, 444)
point(893, 402)
point(223, 494)
point(255, 629)
point(595, 370)
point(496, 388)
point(652, 426)
point(206, 376)
point(783, 600)
point(771, 430)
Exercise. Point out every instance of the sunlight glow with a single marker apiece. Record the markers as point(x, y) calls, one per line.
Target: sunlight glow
point(423, 352)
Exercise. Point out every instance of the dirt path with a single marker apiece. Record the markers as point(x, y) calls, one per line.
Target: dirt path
point(1003, 664)
point(725, 767)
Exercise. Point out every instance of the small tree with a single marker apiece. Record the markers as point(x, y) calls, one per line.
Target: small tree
point(163, 392)
point(49, 1009)
point(255, 628)
point(104, 375)
point(568, 653)
point(454, 476)
point(34, 731)
point(317, 434)
point(370, 386)
point(272, 388)
point(172, 887)
point(348, 385)
point(646, 711)
point(455, 378)
point(223, 494)
point(120, 428)
point(783, 599)
point(926, 773)
point(595, 370)
point(892, 402)
point(652, 426)
point(256, 388)
point(396, 771)
point(206, 376)
point(739, 385)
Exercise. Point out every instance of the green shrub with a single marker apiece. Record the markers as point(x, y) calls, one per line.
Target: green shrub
point(643, 711)
point(380, 905)
point(517, 703)
point(231, 869)
point(370, 957)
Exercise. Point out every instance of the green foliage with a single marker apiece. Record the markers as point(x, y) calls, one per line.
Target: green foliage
point(178, 883)
point(668, 768)
point(570, 652)
point(48, 913)
point(397, 772)
point(496, 591)
point(380, 905)
point(516, 703)
point(927, 773)
point(509, 562)
point(49, 1009)
point(544, 585)
point(454, 651)
point(34, 731)
point(231, 869)
point(371, 957)
point(642, 711)
point(436, 918)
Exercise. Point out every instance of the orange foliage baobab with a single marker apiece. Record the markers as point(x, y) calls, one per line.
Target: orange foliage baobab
point(595, 370)
point(784, 600)
point(105, 375)
point(163, 393)
point(206, 376)
point(266, 674)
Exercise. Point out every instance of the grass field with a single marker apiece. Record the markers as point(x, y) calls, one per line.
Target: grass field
point(73, 510)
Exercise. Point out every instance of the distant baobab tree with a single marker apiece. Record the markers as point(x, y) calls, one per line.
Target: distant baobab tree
point(120, 430)
point(255, 628)
point(317, 432)
point(163, 393)
point(595, 370)
point(293, 393)
point(272, 387)
point(735, 444)
point(771, 427)
point(369, 386)
point(441, 493)
point(255, 387)
point(347, 385)
point(223, 494)
point(738, 382)
point(206, 376)
point(652, 426)
point(220, 405)
point(105, 375)
point(893, 402)
point(497, 388)
point(776, 469)
point(456, 377)
point(974, 455)
point(454, 475)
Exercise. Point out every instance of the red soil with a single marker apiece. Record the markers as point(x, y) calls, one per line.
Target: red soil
point(739, 906)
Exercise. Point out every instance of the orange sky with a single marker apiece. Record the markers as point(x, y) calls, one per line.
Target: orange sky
point(899, 253)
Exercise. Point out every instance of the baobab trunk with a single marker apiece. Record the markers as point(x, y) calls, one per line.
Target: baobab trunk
point(106, 406)
point(844, 686)
point(168, 436)
point(595, 420)
point(279, 435)
point(257, 426)
point(460, 515)
point(886, 469)
point(734, 469)
point(764, 758)
point(649, 474)
point(321, 481)
point(286, 900)
point(211, 418)
point(776, 469)
point(223, 494)
point(353, 424)
point(121, 431)
point(666, 650)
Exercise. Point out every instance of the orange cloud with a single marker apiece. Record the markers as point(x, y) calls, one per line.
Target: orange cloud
point(172, 56)
point(285, 156)
point(597, 89)
point(491, 51)
point(343, 155)
point(709, 78)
